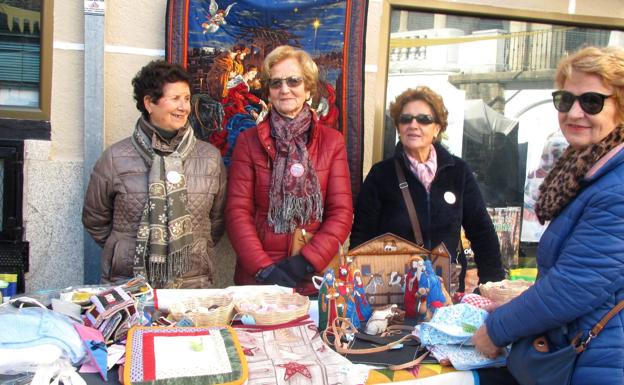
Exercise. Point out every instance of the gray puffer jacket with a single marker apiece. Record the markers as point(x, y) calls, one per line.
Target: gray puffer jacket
point(116, 197)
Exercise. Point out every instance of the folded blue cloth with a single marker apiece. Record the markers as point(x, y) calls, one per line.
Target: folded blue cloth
point(449, 335)
point(34, 326)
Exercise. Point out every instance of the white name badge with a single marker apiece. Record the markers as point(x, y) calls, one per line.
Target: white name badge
point(450, 198)
point(174, 177)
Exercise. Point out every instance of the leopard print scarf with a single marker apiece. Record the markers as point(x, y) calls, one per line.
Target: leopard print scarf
point(565, 180)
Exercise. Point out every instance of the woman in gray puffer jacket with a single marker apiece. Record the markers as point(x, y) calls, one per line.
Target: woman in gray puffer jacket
point(155, 200)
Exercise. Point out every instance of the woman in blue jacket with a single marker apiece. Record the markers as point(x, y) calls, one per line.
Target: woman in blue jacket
point(581, 254)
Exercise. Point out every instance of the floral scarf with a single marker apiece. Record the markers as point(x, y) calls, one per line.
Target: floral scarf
point(565, 180)
point(424, 171)
point(164, 238)
point(295, 194)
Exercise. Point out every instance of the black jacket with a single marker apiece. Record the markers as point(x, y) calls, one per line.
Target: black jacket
point(381, 209)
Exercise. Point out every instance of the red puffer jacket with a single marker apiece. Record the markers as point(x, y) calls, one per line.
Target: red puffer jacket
point(255, 243)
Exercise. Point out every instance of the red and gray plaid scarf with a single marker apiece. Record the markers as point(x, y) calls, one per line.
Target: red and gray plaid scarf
point(295, 194)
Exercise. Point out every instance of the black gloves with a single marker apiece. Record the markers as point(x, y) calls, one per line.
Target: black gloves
point(296, 266)
point(287, 272)
point(274, 274)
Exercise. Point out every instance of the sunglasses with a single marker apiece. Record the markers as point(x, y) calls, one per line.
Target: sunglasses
point(291, 81)
point(420, 118)
point(590, 102)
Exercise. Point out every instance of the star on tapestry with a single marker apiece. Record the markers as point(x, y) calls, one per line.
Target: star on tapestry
point(293, 368)
point(249, 351)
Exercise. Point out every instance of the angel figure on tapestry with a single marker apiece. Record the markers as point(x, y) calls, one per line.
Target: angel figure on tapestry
point(216, 17)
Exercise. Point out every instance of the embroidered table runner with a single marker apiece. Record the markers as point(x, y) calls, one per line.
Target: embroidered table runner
point(293, 353)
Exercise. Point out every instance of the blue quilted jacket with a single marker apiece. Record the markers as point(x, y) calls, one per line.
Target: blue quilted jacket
point(581, 266)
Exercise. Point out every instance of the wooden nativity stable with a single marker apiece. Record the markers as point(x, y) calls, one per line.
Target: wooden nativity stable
point(389, 256)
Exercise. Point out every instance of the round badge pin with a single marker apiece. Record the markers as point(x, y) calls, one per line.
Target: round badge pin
point(174, 177)
point(296, 170)
point(449, 197)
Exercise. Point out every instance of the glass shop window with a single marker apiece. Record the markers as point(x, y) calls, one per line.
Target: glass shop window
point(496, 77)
point(20, 49)
point(25, 59)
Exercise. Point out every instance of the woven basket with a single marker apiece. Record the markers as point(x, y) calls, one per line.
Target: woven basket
point(503, 291)
point(273, 309)
point(199, 310)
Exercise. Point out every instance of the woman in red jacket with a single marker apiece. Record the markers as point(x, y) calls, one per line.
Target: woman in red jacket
point(290, 172)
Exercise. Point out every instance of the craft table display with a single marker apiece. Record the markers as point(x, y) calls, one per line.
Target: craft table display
point(284, 354)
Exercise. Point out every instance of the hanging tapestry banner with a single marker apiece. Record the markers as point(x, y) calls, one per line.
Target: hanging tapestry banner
point(223, 43)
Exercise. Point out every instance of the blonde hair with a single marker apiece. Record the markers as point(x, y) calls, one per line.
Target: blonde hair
point(606, 62)
point(427, 95)
point(308, 67)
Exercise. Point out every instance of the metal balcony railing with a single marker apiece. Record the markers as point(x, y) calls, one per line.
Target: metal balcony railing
point(532, 50)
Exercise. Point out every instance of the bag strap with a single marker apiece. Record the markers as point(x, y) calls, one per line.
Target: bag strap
point(581, 346)
point(411, 210)
point(410, 364)
point(603, 322)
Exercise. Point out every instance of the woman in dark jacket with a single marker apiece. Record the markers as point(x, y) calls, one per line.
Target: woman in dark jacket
point(442, 187)
point(290, 172)
point(155, 200)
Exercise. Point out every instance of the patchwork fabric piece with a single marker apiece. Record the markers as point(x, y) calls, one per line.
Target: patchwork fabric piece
point(293, 353)
point(448, 336)
point(173, 355)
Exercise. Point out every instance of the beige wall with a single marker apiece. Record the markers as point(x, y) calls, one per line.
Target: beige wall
point(66, 114)
point(138, 25)
point(134, 35)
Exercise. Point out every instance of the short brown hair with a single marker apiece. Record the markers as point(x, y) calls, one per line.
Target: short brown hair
point(152, 78)
point(427, 95)
point(606, 62)
point(308, 66)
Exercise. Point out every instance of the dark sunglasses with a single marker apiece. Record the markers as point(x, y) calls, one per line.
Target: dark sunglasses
point(291, 81)
point(590, 102)
point(420, 118)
